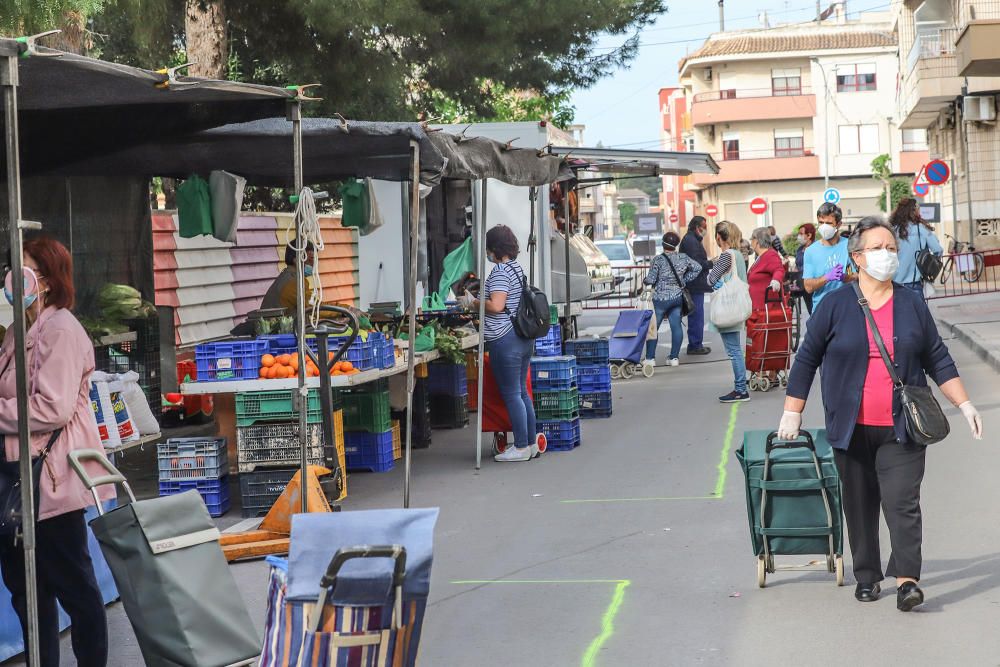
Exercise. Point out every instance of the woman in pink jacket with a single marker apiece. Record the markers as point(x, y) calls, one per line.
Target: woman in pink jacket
point(60, 360)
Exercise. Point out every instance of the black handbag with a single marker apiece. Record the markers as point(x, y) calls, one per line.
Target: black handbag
point(928, 264)
point(924, 419)
point(11, 514)
point(687, 302)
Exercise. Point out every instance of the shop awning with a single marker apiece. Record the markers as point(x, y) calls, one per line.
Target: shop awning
point(473, 158)
point(632, 162)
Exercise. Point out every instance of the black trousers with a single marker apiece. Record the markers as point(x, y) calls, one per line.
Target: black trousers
point(66, 574)
point(879, 473)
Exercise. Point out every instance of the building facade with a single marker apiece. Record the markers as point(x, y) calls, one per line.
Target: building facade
point(789, 111)
point(949, 63)
point(675, 135)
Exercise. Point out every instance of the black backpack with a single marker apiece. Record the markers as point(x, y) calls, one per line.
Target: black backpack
point(532, 317)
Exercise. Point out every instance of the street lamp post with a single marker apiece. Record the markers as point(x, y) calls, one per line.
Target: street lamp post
point(826, 125)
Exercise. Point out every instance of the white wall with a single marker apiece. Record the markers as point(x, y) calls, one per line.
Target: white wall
point(381, 252)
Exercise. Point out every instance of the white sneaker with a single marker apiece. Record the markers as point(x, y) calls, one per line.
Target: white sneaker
point(512, 454)
point(675, 362)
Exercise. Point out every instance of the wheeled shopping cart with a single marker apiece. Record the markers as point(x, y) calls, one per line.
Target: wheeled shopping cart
point(628, 344)
point(769, 344)
point(495, 417)
point(793, 499)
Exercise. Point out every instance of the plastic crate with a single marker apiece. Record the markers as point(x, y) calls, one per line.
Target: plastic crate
point(234, 360)
point(557, 404)
point(276, 445)
point(550, 345)
point(367, 411)
point(192, 459)
point(259, 490)
point(449, 412)
point(595, 405)
point(265, 406)
point(562, 435)
point(447, 379)
point(369, 451)
point(553, 314)
point(361, 353)
point(553, 373)
point(593, 379)
point(215, 492)
point(588, 351)
point(397, 441)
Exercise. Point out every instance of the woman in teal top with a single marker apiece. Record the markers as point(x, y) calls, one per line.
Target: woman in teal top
point(914, 235)
point(728, 236)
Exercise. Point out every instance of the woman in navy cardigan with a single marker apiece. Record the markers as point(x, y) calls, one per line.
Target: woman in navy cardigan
point(878, 465)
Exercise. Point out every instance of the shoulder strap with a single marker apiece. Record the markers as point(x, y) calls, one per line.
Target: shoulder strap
point(877, 335)
point(674, 271)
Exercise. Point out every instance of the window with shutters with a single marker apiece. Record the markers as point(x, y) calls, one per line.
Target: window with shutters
point(788, 143)
point(786, 82)
point(856, 78)
point(859, 139)
point(730, 146)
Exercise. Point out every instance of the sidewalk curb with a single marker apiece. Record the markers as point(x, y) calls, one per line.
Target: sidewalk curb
point(975, 342)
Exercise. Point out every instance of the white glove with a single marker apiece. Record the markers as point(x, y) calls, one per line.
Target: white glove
point(467, 300)
point(972, 416)
point(788, 428)
point(647, 294)
point(775, 286)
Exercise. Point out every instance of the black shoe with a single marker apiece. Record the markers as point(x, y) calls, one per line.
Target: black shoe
point(909, 596)
point(867, 592)
point(735, 397)
point(704, 349)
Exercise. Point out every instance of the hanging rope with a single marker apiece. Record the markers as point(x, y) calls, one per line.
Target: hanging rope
point(308, 232)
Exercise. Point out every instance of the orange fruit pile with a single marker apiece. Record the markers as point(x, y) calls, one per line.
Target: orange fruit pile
point(287, 366)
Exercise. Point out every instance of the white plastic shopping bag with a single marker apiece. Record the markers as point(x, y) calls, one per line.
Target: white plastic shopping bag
point(731, 304)
point(138, 406)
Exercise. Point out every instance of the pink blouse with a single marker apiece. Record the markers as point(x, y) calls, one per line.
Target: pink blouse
point(876, 397)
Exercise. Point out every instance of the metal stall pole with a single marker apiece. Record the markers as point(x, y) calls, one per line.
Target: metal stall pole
point(9, 82)
point(567, 227)
point(295, 116)
point(532, 241)
point(482, 326)
point(412, 324)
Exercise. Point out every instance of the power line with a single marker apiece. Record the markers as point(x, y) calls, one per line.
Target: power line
point(738, 18)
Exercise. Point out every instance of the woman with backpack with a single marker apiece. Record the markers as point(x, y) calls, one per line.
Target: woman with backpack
point(510, 354)
point(915, 236)
point(667, 280)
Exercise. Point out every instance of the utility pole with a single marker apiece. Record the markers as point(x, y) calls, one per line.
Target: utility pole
point(964, 129)
point(819, 12)
point(722, 16)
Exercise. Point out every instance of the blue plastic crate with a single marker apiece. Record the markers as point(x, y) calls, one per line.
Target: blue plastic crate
point(595, 405)
point(385, 352)
point(368, 451)
point(593, 379)
point(215, 492)
point(592, 351)
point(232, 360)
point(561, 435)
point(550, 345)
point(444, 379)
point(553, 373)
point(192, 459)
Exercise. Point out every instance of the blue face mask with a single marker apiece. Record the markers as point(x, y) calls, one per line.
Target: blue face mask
point(30, 288)
point(307, 270)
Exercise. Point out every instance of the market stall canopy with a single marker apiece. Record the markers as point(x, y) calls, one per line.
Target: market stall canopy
point(72, 107)
point(650, 163)
point(474, 158)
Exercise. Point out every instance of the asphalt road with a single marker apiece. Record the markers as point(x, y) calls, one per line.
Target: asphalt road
point(634, 548)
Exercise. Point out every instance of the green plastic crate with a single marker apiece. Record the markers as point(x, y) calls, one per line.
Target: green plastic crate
point(367, 411)
point(553, 405)
point(553, 314)
point(271, 406)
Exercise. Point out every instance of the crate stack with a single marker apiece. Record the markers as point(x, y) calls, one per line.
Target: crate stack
point(200, 464)
point(368, 437)
point(593, 375)
point(557, 400)
point(549, 345)
point(448, 390)
point(268, 446)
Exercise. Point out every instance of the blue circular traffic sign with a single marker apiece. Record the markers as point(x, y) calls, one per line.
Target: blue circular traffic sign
point(921, 189)
point(831, 196)
point(937, 172)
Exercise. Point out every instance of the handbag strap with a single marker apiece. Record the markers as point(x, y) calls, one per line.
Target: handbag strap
point(877, 335)
point(673, 270)
point(45, 450)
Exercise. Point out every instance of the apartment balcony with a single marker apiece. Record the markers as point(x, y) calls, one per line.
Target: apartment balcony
point(765, 165)
point(977, 50)
point(931, 80)
point(734, 105)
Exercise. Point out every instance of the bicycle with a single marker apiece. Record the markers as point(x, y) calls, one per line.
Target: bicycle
point(962, 255)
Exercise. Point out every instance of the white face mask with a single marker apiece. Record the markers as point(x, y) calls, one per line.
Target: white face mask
point(801, 239)
point(827, 231)
point(881, 264)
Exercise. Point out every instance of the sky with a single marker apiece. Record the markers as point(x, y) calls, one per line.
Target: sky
point(622, 110)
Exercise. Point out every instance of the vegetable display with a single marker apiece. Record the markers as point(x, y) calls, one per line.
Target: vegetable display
point(285, 366)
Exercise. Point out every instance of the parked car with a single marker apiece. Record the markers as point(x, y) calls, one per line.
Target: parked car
point(623, 262)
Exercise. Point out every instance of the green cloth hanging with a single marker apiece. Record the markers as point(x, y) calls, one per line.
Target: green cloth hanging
point(194, 208)
point(354, 195)
point(457, 264)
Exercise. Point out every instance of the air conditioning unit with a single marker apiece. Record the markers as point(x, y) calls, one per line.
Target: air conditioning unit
point(980, 108)
point(708, 74)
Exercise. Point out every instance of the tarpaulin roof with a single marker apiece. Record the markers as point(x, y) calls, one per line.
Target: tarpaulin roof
point(73, 107)
point(472, 158)
point(652, 163)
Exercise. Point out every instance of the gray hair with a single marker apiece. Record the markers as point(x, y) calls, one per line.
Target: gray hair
point(762, 236)
point(856, 244)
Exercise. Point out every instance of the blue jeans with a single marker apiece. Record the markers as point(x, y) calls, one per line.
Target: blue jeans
point(509, 360)
point(671, 308)
point(734, 349)
point(696, 322)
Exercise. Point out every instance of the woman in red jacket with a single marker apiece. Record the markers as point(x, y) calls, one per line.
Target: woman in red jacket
point(767, 272)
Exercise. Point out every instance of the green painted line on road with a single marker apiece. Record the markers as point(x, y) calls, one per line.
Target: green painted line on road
point(607, 620)
point(635, 500)
point(727, 445)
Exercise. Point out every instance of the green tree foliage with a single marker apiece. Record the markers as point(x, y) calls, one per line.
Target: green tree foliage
point(626, 212)
point(899, 189)
point(29, 17)
point(506, 106)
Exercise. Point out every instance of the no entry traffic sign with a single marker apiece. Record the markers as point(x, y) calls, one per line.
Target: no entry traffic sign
point(937, 172)
point(674, 218)
point(711, 210)
point(758, 206)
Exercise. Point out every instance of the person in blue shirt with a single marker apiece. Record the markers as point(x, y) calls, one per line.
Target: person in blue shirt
point(914, 235)
point(825, 264)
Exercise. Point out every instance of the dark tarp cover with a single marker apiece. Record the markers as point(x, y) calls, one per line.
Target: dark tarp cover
point(473, 158)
